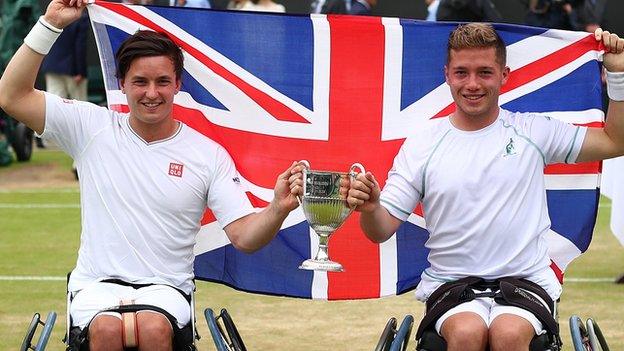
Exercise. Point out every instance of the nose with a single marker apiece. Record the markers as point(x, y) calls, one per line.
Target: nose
point(472, 82)
point(151, 92)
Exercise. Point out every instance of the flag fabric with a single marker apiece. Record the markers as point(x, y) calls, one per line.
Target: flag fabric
point(335, 90)
point(612, 188)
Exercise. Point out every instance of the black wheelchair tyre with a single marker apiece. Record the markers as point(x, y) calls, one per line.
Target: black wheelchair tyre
point(22, 141)
point(387, 335)
point(30, 332)
point(597, 340)
point(235, 338)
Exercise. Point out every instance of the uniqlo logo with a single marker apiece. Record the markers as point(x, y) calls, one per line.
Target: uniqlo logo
point(175, 169)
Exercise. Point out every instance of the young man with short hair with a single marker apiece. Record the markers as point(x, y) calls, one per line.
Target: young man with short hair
point(479, 176)
point(145, 181)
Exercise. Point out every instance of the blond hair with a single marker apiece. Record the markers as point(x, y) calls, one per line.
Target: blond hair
point(476, 35)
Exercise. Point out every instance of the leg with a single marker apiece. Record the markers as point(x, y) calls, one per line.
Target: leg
point(510, 332)
point(465, 331)
point(155, 332)
point(105, 333)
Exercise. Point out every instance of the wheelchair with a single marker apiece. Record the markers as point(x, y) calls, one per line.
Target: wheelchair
point(223, 330)
point(184, 340)
point(48, 324)
point(393, 339)
point(587, 337)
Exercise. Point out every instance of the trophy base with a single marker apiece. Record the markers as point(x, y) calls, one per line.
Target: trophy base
point(315, 265)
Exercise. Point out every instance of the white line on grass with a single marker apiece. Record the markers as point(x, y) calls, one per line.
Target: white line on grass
point(38, 206)
point(32, 277)
point(40, 191)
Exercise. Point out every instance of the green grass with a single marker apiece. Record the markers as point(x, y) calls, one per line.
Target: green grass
point(43, 242)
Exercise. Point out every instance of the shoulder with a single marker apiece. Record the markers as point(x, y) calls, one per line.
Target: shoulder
point(429, 134)
point(525, 121)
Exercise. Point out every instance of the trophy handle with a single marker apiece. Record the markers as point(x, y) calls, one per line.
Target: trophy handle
point(353, 174)
point(355, 166)
point(306, 165)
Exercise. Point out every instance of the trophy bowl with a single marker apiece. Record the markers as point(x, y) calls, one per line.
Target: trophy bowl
point(325, 210)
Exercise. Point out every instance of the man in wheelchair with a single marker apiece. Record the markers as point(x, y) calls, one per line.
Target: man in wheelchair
point(145, 182)
point(479, 175)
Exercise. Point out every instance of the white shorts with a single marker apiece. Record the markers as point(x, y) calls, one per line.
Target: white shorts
point(98, 296)
point(488, 310)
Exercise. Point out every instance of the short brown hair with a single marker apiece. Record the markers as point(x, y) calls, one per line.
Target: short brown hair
point(147, 43)
point(476, 35)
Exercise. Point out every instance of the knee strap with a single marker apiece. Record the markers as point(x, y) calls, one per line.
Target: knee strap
point(129, 326)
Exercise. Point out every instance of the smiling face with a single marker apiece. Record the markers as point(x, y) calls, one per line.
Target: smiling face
point(150, 85)
point(475, 77)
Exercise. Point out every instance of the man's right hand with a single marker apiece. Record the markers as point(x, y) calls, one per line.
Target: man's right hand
point(60, 13)
point(364, 193)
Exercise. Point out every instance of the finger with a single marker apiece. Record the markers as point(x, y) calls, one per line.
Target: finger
point(358, 194)
point(360, 186)
point(620, 46)
point(353, 202)
point(598, 33)
point(295, 182)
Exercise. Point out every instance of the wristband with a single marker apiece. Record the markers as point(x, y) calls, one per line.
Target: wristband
point(615, 85)
point(42, 36)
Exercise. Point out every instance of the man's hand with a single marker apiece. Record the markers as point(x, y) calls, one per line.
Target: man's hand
point(60, 13)
point(614, 48)
point(288, 186)
point(364, 193)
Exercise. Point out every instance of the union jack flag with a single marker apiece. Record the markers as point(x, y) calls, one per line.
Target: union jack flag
point(341, 89)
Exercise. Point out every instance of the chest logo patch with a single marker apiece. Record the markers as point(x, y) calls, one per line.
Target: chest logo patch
point(175, 169)
point(510, 148)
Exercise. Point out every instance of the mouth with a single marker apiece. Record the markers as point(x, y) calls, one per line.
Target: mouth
point(473, 97)
point(151, 105)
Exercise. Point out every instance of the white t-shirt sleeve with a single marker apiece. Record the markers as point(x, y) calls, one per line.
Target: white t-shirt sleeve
point(403, 189)
point(560, 142)
point(226, 195)
point(71, 124)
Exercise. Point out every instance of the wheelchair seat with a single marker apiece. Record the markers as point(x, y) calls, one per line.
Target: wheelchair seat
point(432, 341)
point(184, 338)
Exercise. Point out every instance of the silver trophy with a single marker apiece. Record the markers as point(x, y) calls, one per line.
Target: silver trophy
point(325, 209)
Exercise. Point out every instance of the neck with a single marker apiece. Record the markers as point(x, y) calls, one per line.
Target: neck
point(468, 123)
point(154, 132)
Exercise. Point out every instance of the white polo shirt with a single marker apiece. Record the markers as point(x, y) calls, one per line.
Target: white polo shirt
point(141, 202)
point(483, 192)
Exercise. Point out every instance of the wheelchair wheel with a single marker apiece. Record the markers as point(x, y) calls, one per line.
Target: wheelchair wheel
point(580, 338)
point(401, 339)
point(236, 342)
point(215, 330)
point(30, 332)
point(387, 335)
point(45, 332)
point(596, 339)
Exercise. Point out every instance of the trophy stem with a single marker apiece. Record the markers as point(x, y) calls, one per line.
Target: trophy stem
point(322, 254)
point(322, 262)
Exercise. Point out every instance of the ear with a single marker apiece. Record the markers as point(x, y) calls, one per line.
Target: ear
point(121, 85)
point(178, 85)
point(446, 72)
point(506, 72)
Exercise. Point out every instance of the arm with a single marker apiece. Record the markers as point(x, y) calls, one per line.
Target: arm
point(376, 222)
point(18, 97)
point(605, 143)
point(255, 230)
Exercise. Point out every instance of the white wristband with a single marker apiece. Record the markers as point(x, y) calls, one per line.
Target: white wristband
point(42, 36)
point(615, 85)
